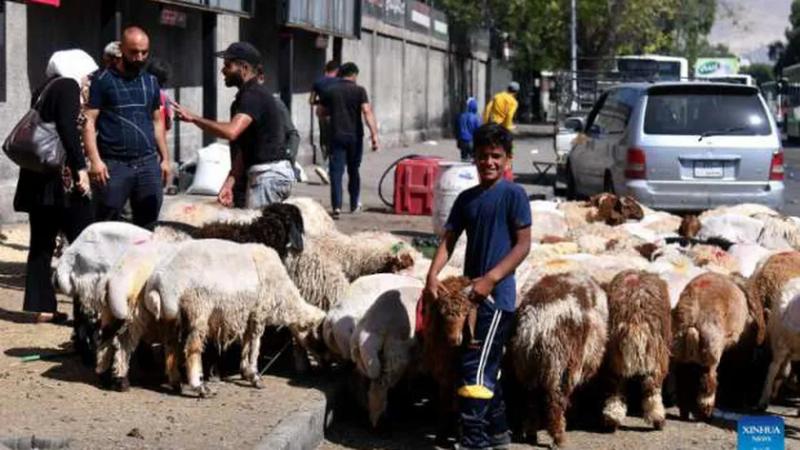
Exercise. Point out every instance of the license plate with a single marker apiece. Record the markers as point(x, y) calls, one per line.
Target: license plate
point(708, 169)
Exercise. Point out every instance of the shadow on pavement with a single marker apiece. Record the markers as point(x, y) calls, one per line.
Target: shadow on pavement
point(16, 316)
point(12, 275)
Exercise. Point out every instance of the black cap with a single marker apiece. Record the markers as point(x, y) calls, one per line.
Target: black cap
point(241, 51)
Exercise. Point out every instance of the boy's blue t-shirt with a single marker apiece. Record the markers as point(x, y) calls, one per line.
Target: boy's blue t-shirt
point(491, 218)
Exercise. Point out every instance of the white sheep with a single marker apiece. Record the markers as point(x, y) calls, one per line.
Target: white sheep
point(383, 344)
point(132, 319)
point(742, 209)
point(230, 292)
point(81, 273)
point(341, 320)
point(734, 228)
point(198, 212)
point(748, 256)
point(316, 219)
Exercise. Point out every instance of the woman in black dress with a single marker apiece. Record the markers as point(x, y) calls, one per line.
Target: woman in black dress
point(57, 202)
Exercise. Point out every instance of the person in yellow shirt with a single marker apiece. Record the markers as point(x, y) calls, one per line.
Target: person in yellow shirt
point(502, 107)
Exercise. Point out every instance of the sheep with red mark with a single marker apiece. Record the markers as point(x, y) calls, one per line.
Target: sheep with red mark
point(639, 337)
point(558, 343)
point(711, 317)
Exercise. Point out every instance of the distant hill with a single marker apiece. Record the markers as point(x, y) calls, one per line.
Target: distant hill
point(753, 25)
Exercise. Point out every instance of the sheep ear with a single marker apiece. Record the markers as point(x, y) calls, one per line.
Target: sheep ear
point(296, 237)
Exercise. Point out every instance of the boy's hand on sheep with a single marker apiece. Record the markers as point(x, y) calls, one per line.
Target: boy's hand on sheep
point(433, 287)
point(481, 288)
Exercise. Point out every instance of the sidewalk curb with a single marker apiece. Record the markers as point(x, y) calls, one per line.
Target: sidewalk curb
point(303, 429)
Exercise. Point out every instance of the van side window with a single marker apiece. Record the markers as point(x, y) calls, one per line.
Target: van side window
point(591, 121)
point(613, 116)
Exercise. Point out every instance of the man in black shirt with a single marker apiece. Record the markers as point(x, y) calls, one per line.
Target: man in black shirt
point(256, 132)
point(345, 102)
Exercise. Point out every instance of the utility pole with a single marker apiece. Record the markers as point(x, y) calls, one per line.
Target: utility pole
point(574, 53)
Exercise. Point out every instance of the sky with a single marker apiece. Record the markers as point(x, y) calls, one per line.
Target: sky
point(755, 23)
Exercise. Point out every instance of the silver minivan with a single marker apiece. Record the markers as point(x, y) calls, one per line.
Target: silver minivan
point(679, 146)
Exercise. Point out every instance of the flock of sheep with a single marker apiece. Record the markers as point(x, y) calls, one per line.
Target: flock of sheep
point(611, 292)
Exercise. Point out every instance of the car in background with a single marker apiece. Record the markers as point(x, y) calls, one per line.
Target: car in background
point(680, 147)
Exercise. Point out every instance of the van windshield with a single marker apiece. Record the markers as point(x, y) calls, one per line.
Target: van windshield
point(705, 114)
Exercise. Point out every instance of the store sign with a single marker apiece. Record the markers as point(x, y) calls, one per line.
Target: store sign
point(173, 18)
point(440, 27)
point(55, 3)
point(707, 67)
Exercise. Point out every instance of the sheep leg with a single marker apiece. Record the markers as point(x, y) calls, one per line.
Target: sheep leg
point(250, 348)
point(193, 350)
point(686, 388)
point(556, 402)
point(615, 408)
point(171, 357)
point(124, 345)
point(445, 413)
point(652, 404)
point(779, 358)
point(302, 365)
point(377, 397)
point(706, 397)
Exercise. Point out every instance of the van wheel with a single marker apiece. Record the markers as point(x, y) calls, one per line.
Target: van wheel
point(608, 184)
point(572, 193)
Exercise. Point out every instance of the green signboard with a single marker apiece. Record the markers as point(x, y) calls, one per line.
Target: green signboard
point(712, 67)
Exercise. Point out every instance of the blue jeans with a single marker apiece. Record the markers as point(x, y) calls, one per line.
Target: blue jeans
point(137, 180)
point(345, 152)
point(481, 406)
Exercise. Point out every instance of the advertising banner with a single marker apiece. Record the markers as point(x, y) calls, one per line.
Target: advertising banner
point(711, 67)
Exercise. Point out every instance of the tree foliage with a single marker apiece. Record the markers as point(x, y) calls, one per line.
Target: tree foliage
point(760, 72)
point(789, 53)
point(538, 30)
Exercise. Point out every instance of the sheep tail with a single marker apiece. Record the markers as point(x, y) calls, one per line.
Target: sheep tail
point(692, 343)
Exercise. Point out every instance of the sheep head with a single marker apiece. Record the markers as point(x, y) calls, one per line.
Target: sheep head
point(292, 220)
point(630, 208)
point(690, 226)
point(455, 310)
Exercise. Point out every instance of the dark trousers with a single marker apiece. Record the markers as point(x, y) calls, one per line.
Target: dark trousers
point(345, 153)
point(481, 406)
point(45, 223)
point(137, 180)
point(465, 148)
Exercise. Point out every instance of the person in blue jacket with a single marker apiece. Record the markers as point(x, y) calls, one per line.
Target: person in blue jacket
point(468, 122)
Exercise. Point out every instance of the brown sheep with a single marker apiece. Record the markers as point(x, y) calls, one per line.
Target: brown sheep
point(558, 343)
point(446, 320)
point(690, 226)
point(639, 338)
point(710, 318)
point(765, 289)
point(614, 210)
point(770, 276)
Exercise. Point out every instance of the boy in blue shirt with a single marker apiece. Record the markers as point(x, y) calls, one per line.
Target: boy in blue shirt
point(496, 216)
point(468, 122)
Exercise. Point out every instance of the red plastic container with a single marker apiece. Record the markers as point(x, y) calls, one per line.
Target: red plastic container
point(413, 186)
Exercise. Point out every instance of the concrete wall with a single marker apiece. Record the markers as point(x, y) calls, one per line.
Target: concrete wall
point(17, 96)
